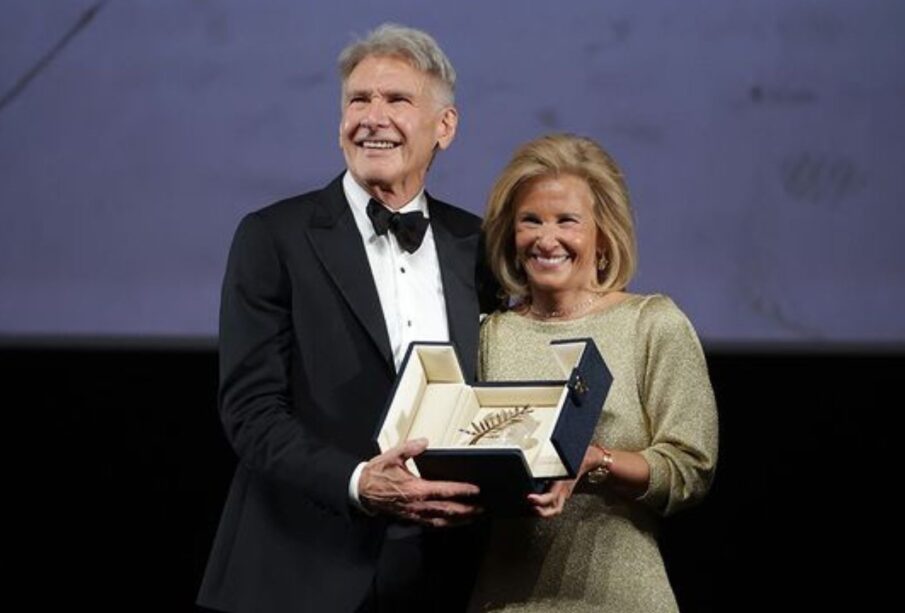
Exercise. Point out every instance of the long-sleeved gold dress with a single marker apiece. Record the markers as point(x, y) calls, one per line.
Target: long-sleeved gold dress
point(601, 553)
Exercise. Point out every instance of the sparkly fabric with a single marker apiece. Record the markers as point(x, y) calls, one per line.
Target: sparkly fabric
point(601, 553)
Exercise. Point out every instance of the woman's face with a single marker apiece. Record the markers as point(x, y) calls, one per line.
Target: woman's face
point(556, 239)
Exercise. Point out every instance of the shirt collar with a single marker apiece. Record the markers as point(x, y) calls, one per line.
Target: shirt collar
point(358, 198)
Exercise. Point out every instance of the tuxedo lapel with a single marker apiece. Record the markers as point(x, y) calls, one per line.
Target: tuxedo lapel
point(456, 249)
point(337, 243)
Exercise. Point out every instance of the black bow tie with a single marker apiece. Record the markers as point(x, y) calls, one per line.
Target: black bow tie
point(409, 228)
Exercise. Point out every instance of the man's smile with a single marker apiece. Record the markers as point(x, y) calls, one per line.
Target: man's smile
point(376, 144)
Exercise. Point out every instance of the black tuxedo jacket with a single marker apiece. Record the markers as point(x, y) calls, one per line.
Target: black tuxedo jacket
point(305, 371)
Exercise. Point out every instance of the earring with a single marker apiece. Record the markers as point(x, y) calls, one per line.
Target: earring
point(602, 262)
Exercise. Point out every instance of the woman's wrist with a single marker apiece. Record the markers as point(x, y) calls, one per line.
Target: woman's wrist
point(602, 470)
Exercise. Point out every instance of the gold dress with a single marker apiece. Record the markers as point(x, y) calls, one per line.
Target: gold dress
point(601, 553)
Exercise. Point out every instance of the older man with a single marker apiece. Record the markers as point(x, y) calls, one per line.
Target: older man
point(323, 293)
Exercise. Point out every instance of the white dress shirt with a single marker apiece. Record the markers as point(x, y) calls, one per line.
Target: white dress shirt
point(408, 284)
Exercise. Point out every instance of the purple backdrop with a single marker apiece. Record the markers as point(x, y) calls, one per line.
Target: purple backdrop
point(762, 141)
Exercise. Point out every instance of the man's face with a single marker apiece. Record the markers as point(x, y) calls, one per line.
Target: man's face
point(392, 120)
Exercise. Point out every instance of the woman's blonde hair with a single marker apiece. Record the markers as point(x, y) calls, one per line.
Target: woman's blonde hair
point(552, 156)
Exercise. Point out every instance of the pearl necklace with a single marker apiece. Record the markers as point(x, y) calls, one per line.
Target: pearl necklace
point(564, 312)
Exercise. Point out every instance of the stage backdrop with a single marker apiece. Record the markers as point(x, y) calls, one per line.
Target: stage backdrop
point(762, 142)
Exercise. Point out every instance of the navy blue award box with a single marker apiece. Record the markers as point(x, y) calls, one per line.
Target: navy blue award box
point(509, 438)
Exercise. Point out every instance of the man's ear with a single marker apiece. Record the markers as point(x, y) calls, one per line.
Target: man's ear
point(446, 127)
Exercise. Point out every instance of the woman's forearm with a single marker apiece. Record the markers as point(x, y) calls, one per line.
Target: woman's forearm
point(625, 471)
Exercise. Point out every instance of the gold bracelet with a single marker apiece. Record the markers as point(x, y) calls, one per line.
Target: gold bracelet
point(602, 472)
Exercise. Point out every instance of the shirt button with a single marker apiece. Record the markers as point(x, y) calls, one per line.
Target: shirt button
point(409, 322)
point(402, 269)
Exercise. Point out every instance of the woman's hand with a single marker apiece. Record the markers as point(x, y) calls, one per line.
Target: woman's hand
point(629, 475)
point(552, 502)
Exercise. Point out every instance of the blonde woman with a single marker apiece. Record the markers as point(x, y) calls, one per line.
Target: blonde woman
point(561, 242)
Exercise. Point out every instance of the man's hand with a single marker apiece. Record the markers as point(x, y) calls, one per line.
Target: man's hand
point(387, 486)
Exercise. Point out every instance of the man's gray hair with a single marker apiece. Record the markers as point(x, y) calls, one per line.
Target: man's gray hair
point(416, 47)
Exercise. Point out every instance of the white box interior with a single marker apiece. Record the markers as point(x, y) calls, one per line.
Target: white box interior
point(433, 401)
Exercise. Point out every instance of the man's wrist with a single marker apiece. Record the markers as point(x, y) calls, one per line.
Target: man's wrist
point(354, 499)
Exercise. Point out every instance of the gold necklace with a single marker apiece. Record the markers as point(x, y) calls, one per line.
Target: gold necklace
point(563, 312)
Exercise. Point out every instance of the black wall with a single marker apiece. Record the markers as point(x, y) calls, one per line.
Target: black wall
point(119, 469)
